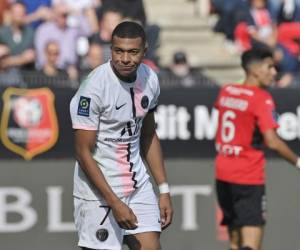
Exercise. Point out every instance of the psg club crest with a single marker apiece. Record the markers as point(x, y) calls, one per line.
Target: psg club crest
point(102, 234)
point(145, 102)
point(28, 124)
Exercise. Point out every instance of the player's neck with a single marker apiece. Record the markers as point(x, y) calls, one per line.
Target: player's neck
point(127, 79)
point(251, 81)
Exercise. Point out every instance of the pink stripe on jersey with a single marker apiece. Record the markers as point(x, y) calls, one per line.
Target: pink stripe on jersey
point(124, 168)
point(138, 95)
point(84, 127)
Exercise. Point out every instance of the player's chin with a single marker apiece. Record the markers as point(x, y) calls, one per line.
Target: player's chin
point(127, 72)
point(269, 83)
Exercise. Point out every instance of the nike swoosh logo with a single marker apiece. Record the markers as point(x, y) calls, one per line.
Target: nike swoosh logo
point(118, 107)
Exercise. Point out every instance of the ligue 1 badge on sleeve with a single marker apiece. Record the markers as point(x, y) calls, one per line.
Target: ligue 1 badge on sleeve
point(84, 106)
point(102, 234)
point(28, 123)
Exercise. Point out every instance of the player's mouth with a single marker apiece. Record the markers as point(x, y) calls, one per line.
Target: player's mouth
point(126, 68)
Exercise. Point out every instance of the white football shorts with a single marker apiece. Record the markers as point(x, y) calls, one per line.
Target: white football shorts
point(97, 228)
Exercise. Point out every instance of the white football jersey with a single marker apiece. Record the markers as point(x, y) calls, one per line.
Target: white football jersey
point(116, 110)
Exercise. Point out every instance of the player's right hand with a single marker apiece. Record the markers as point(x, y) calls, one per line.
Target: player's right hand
point(124, 216)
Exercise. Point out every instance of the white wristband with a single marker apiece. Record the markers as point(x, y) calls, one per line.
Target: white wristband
point(298, 163)
point(164, 188)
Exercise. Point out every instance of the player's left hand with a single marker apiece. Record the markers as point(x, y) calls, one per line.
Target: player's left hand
point(166, 210)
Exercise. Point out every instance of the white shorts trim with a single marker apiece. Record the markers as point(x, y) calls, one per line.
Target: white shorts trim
point(90, 214)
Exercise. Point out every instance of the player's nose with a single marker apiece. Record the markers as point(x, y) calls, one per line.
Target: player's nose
point(125, 58)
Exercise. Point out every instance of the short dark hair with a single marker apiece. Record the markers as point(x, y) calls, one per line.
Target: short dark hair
point(20, 2)
point(129, 29)
point(255, 55)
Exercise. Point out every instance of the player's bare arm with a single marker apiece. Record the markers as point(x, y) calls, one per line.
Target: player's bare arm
point(152, 153)
point(84, 145)
point(273, 142)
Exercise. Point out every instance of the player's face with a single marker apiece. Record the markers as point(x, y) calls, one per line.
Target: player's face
point(127, 54)
point(266, 72)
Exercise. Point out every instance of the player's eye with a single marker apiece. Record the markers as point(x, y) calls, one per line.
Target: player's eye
point(134, 52)
point(118, 51)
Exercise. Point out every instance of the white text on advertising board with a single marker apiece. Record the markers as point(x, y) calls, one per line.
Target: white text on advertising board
point(28, 215)
point(174, 122)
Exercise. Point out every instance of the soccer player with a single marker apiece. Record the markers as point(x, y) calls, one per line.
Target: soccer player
point(247, 120)
point(112, 114)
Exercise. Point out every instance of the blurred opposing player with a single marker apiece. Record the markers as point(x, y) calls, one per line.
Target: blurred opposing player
point(112, 114)
point(247, 119)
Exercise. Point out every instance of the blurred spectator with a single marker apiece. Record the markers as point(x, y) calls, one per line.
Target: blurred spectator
point(289, 11)
point(86, 8)
point(110, 19)
point(152, 33)
point(93, 59)
point(81, 7)
point(50, 68)
point(66, 36)
point(228, 11)
point(134, 10)
point(257, 29)
point(33, 5)
point(289, 26)
point(16, 46)
point(261, 27)
point(16, 39)
point(50, 74)
point(3, 10)
point(275, 6)
point(38, 11)
point(180, 74)
point(289, 42)
point(152, 65)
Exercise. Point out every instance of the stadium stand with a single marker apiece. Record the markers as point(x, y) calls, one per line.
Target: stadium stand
point(173, 26)
point(184, 29)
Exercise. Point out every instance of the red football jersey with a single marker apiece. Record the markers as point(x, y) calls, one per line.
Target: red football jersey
point(245, 112)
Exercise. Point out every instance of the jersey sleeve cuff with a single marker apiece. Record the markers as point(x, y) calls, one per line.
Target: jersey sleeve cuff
point(152, 109)
point(84, 127)
point(275, 126)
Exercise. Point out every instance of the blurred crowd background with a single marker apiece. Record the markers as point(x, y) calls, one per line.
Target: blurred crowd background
point(58, 42)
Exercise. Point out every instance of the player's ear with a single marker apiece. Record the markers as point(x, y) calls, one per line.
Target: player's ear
point(254, 68)
point(145, 49)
